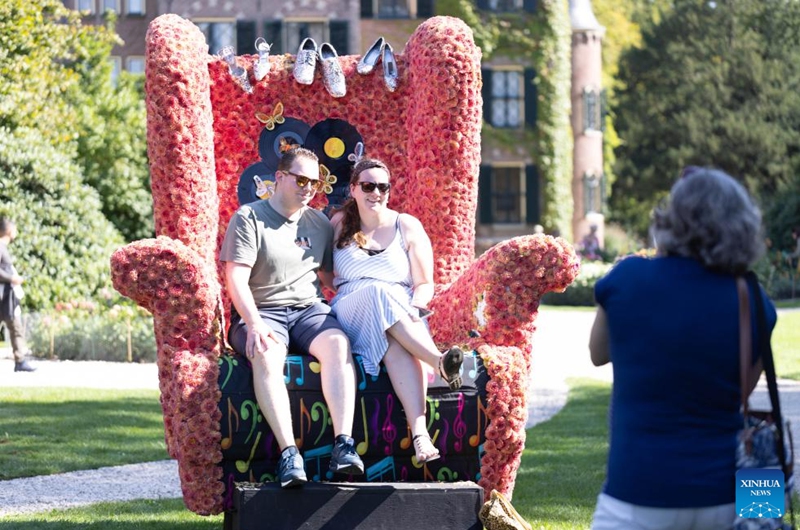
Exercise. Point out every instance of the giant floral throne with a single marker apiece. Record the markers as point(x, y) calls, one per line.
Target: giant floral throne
point(203, 132)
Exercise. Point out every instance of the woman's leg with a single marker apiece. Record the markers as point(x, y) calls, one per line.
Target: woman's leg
point(415, 338)
point(411, 385)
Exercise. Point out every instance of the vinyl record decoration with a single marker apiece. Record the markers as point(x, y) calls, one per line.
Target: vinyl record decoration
point(292, 131)
point(256, 182)
point(333, 140)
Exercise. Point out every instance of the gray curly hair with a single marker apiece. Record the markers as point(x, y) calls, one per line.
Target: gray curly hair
point(710, 217)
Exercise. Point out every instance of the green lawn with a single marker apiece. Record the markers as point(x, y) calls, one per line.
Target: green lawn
point(786, 345)
point(53, 430)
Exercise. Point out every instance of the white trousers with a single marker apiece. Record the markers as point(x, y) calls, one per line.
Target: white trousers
point(614, 514)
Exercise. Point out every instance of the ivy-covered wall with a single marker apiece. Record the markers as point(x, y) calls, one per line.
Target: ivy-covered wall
point(542, 40)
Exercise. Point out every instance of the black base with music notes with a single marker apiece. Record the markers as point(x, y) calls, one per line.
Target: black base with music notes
point(356, 506)
point(456, 421)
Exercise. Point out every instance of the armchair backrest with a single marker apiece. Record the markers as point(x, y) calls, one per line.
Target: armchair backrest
point(203, 131)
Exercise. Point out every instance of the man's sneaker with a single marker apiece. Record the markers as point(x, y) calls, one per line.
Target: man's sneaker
point(24, 366)
point(344, 458)
point(290, 469)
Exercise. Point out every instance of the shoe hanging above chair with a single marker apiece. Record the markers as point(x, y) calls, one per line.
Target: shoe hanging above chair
point(332, 74)
point(261, 66)
point(371, 57)
point(306, 62)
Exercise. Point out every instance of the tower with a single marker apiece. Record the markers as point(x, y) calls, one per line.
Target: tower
point(588, 180)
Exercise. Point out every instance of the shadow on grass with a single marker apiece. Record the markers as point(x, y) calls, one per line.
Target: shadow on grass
point(170, 514)
point(52, 431)
point(564, 463)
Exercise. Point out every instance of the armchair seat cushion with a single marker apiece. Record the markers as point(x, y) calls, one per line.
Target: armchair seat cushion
point(457, 422)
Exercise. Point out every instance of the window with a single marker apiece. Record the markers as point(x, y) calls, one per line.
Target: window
point(509, 194)
point(86, 5)
point(592, 110)
point(594, 192)
point(506, 98)
point(135, 64)
point(506, 195)
point(111, 5)
point(116, 66)
point(392, 9)
point(135, 7)
point(502, 6)
point(218, 34)
point(298, 30)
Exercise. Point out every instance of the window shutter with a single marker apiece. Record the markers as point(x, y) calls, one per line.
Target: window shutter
point(532, 192)
point(339, 36)
point(274, 36)
point(485, 194)
point(245, 37)
point(366, 9)
point(531, 98)
point(425, 8)
point(529, 6)
point(486, 92)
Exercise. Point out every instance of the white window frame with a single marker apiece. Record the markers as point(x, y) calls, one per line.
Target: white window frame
point(116, 62)
point(130, 59)
point(107, 8)
point(519, 98)
point(92, 9)
point(142, 11)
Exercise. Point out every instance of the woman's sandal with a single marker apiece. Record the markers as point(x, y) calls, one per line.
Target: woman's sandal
point(422, 442)
point(450, 367)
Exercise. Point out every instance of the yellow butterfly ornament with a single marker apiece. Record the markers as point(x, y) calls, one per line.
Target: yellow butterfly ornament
point(270, 121)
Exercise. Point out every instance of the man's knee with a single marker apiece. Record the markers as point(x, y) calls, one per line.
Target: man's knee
point(331, 345)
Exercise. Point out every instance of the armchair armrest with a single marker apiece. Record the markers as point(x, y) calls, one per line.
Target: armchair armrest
point(499, 294)
point(181, 290)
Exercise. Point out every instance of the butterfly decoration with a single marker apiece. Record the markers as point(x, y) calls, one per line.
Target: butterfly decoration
point(270, 121)
point(264, 190)
point(284, 144)
point(325, 176)
point(357, 154)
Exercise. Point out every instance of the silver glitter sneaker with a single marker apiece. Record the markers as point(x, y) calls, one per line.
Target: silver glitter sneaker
point(371, 57)
point(332, 75)
point(306, 62)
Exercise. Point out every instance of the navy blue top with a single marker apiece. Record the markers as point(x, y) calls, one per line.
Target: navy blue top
point(674, 346)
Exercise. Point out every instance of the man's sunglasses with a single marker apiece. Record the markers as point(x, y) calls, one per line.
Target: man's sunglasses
point(369, 187)
point(302, 181)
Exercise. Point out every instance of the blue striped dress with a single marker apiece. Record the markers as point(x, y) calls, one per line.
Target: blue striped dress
point(373, 293)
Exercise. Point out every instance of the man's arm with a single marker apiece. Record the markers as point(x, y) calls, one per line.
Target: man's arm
point(259, 335)
point(598, 340)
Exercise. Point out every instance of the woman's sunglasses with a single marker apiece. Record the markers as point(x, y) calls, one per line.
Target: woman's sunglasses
point(302, 181)
point(369, 187)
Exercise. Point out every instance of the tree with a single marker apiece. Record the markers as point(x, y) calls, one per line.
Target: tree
point(714, 83)
point(55, 78)
point(65, 242)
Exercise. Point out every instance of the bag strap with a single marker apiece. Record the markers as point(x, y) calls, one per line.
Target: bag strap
point(745, 344)
point(765, 347)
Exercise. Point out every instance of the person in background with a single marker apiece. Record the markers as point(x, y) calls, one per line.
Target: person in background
point(10, 296)
point(669, 327)
point(276, 252)
point(383, 275)
point(795, 255)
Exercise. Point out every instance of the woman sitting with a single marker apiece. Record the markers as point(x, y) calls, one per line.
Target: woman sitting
point(383, 276)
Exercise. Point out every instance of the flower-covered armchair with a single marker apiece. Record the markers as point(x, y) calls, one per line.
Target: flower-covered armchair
point(204, 132)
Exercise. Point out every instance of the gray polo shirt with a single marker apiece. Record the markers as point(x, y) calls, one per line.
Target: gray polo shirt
point(284, 255)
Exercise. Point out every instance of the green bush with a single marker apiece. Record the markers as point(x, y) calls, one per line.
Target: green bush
point(780, 281)
point(581, 291)
point(90, 331)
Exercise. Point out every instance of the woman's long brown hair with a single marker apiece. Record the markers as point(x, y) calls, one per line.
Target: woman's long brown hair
point(351, 222)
